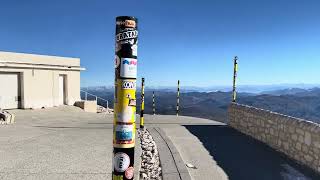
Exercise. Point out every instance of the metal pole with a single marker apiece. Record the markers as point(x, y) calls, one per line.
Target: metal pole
point(153, 104)
point(235, 70)
point(178, 96)
point(125, 98)
point(142, 105)
point(86, 96)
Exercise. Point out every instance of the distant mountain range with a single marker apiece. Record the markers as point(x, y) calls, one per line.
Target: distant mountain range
point(297, 102)
point(255, 89)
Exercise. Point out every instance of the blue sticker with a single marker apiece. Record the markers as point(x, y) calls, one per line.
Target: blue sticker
point(124, 132)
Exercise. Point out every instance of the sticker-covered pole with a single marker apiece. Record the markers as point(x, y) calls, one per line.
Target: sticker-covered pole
point(178, 97)
point(235, 70)
point(142, 105)
point(125, 98)
point(153, 104)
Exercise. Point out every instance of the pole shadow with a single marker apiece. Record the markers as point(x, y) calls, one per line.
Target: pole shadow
point(244, 158)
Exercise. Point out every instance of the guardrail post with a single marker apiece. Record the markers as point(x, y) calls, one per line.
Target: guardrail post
point(125, 98)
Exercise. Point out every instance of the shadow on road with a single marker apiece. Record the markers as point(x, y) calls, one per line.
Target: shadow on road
point(244, 158)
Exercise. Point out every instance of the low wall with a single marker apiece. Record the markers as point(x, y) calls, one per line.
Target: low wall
point(297, 138)
point(87, 106)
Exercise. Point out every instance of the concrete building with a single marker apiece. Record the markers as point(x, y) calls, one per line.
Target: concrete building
point(36, 81)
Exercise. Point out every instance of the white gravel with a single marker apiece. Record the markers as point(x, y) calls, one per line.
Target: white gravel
point(150, 161)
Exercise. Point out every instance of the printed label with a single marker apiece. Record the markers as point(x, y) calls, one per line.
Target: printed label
point(127, 35)
point(127, 23)
point(129, 173)
point(124, 132)
point(128, 84)
point(128, 68)
point(121, 162)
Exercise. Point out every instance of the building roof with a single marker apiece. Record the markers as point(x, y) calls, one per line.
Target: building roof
point(22, 60)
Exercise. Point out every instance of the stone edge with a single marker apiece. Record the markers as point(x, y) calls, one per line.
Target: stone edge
point(182, 170)
point(137, 158)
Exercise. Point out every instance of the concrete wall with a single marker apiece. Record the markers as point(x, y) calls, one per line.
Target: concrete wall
point(40, 88)
point(39, 78)
point(297, 138)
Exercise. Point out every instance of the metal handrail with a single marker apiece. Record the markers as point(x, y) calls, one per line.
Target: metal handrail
point(97, 97)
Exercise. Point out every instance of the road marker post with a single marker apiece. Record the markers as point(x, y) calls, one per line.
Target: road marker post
point(142, 105)
point(178, 98)
point(235, 71)
point(124, 126)
point(153, 104)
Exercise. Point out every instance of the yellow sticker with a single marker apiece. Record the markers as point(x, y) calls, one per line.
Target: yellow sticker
point(125, 114)
point(115, 177)
point(125, 108)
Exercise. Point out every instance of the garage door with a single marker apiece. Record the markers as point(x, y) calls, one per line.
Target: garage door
point(9, 91)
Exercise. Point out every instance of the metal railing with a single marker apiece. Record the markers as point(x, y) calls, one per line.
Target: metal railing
point(96, 97)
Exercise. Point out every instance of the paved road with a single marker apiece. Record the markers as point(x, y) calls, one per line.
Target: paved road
point(67, 143)
point(58, 143)
point(220, 152)
point(242, 157)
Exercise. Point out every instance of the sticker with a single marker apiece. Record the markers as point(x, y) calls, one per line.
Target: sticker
point(126, 84)
point(124, 132)
point(126, 115)
point(127, 23)
point(128, 68)
point(134, 49)
point(116, 61)
point(124, 135)
point(117, 177)
point(127, 35)
point(129, 173)
point(121, 162)
point(132, 102)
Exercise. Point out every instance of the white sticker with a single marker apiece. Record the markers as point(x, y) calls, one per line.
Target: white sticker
point(121, 162)
point(134, 50)
point(128, 68)
point(128, 84)
point(126, 115)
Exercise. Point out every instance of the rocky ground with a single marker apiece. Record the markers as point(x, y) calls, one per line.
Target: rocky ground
point(150, 161)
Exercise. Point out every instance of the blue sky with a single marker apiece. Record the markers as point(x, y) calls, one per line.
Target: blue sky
point(277, 41)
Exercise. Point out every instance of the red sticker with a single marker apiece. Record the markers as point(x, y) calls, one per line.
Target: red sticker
point(129, 173)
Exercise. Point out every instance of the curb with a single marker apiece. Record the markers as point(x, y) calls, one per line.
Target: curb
point(172, 165)
point(137, 158)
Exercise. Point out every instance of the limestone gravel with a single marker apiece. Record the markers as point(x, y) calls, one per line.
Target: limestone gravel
point(150, 160)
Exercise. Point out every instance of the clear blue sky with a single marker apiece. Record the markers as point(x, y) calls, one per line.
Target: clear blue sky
point(277, 41)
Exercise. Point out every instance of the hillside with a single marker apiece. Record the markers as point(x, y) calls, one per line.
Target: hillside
point(213, 105)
